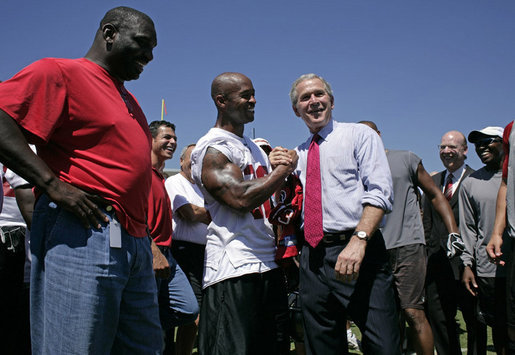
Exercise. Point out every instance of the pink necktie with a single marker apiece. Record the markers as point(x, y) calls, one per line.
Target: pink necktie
point(313, 224)
point(448, 188)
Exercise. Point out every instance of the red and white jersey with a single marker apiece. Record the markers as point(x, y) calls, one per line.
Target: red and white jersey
point(238, 243)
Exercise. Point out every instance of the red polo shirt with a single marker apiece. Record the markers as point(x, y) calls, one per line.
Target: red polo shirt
point(88, 129)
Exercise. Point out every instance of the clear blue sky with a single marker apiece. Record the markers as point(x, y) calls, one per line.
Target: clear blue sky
point(416, 68)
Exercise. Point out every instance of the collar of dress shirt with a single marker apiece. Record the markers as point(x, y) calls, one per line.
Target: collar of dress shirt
point(457, 175)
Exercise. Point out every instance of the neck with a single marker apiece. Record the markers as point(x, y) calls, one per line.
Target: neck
point(452, 171)
point(229, 126)
point(494, 166)
point(97, 57)
point(157, 163)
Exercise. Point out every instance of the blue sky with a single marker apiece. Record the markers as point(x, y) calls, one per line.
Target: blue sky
point(416, 68)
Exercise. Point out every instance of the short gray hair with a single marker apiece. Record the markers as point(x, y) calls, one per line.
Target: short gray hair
point(293, 92)
point(183, 151)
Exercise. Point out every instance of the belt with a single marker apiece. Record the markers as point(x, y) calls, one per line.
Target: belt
point(336, 237)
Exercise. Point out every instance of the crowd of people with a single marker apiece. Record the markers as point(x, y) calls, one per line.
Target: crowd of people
point(126, 261)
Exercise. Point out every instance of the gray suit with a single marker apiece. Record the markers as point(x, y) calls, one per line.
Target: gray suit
point(444, 291)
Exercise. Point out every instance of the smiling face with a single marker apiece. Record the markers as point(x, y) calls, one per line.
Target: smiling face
point(164, 144)
point(453, 150)
point(240, 101)
point(131, 48)
point(314, 105)
point(489, 149)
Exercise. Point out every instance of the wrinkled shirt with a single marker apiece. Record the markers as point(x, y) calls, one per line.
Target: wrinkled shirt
point(354, 172)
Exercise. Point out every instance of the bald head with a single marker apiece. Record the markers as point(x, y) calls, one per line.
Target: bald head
point(457, 135)
point(453, 150)
point(226, 83)
point(233, 94)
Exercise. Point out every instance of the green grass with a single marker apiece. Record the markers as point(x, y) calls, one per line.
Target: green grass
point(462, 331)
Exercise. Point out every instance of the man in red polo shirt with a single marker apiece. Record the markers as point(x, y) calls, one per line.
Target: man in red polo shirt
point(92, 285)
point(177, 302)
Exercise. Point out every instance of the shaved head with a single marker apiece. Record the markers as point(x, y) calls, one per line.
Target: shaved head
point(226, 83)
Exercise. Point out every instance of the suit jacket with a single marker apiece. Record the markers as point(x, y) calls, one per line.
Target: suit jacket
point(434, 229)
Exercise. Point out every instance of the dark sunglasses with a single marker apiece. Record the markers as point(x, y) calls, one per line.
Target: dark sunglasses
point(486, 141)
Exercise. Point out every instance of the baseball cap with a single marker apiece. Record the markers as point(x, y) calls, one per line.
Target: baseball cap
point(491, 131)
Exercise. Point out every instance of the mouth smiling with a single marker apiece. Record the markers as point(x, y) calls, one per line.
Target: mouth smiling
point(316, 112)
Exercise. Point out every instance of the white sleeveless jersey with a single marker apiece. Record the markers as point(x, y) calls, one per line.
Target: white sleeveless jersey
point(238, 243)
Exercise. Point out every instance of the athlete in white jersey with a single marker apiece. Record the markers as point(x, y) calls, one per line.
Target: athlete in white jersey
point(244, 291)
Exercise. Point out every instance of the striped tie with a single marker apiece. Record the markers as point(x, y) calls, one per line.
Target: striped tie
point(448, 187)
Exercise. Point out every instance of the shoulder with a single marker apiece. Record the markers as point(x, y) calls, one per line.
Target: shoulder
point(43, 69)
point(174, 179)
point(468, 171)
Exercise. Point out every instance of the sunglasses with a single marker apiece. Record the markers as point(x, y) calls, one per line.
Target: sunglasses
point(486, 141)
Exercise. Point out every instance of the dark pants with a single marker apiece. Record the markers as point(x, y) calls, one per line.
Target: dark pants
point(444, 294)
point(245, 315)
point(368, 301)
point(14, 304)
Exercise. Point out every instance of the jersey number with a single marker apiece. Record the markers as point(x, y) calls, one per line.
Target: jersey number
point(259, 173)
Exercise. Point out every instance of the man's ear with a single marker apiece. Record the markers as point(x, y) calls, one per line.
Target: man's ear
point(295, 110)
point(220, 100)
point(109, 32)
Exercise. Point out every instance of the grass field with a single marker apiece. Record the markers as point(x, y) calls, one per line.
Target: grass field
point(463, 338)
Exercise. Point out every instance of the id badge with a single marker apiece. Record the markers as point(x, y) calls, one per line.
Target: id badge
point(115, 234)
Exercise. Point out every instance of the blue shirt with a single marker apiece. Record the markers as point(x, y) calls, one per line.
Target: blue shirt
point(354, 172)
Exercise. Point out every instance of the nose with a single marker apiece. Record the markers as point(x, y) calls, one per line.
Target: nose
point(313, 100)
point(148, 55)
point(252, 99)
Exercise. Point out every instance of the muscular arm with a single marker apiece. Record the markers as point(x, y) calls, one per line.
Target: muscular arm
point(224, 181)
point(25, 200)
point(349, 261)
point(17, 155)
point(494, 245)
point(437, 199)
point(193, 213)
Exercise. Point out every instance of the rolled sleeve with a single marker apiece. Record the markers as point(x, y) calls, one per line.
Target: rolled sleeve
point(375, 172)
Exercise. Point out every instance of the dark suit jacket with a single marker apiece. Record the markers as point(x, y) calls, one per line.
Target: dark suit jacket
point(435, 232)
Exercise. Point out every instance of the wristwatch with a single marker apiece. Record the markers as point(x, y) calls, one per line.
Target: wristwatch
point(361, 235)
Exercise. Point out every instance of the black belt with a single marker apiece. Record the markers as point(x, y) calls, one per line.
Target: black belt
point(336, 237)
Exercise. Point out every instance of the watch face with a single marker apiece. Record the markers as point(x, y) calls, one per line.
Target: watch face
point(361, 235)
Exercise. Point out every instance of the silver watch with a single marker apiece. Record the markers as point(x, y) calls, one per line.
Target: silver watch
point(361, 235)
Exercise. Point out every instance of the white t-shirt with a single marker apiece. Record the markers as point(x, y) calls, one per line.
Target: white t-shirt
point(11, 215)
point(183, 192)
point(238, 243)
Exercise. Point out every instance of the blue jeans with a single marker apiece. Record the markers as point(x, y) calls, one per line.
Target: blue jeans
point(86, 297)
point(177, 302)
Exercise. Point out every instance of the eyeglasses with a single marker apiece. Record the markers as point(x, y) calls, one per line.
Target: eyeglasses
point(443, 146)
point(486, 141)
